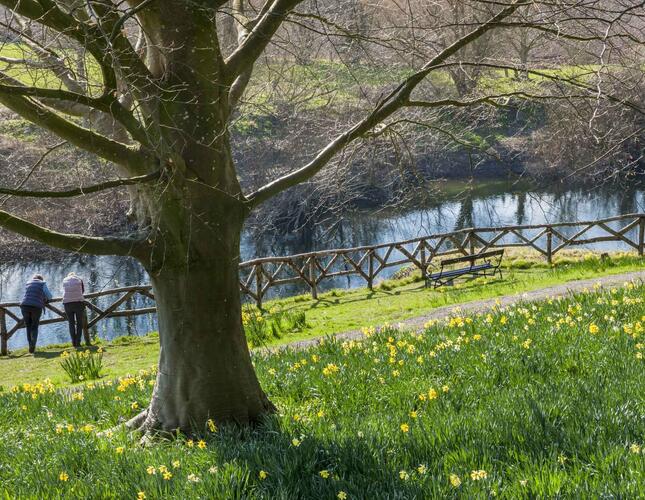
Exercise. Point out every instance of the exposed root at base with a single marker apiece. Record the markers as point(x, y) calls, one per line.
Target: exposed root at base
point(136, 424)
point(145, 425)
point(137, 421)
point(150, 428)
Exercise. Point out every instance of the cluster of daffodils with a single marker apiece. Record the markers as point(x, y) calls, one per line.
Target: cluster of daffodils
point(249, 317)
point(141, 380)
point(81, 354)
point(34, 390)
point(330, 369)
point(63, 428)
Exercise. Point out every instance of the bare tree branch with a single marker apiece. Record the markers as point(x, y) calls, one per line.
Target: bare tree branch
point(106, 103)
point(243, 26)
point(394, 101)
point(492, 100)
point(135, 159)
point(555, 78)
point(32, 63)
point(81, 191)
point(71, 242)
point(256, 41)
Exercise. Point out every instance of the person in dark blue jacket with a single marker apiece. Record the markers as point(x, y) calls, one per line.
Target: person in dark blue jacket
point(32, 305)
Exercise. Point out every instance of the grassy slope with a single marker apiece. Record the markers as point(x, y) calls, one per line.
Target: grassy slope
point(339, 311)
point(530, 402)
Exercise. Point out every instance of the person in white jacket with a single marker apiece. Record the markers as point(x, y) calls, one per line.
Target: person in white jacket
point(74, 303)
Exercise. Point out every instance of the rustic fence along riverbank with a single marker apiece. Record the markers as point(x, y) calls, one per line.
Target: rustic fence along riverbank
point(258, 276)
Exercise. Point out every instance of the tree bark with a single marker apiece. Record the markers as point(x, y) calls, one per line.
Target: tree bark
point(205, 369)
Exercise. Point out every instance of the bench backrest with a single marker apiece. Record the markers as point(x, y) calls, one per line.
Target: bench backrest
point(472, 258)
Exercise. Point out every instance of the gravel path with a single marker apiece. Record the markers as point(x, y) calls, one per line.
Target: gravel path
point(484, 305)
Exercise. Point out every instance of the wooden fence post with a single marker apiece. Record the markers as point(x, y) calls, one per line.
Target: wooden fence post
point(471, 242)
point(641, 235)
point(3, 333)
point(86, 328)
point(549, 245)
point(424, 264)
point(258, 285)
point(370, 269)
point(313, 278)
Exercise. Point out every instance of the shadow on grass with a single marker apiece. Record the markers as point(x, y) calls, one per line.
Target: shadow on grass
point(47, 354)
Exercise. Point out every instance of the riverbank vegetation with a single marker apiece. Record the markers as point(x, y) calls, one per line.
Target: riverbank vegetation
point(300, 318)
point(535, 400)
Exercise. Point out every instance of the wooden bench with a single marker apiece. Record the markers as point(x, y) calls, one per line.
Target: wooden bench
point(480, 264)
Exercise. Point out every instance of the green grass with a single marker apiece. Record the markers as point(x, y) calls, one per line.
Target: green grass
point(534, 401)
point(343, 310)
point(46, 78)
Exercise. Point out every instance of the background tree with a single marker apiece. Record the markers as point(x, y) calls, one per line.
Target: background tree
point(157, 72)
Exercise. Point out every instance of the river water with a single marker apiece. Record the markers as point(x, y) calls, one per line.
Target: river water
point(485, 204)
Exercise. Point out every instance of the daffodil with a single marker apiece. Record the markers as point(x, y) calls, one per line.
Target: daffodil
point(477, 475)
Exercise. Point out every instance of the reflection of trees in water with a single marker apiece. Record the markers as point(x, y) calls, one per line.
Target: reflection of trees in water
point(628, 201)
point(520, 212)
point(465, 214)
point(494, 206)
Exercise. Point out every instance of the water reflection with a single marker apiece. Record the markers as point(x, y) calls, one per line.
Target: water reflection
point(491, 204)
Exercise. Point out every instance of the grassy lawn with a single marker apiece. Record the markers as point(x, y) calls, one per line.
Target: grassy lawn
point(393, 301)
point(339, 311)
point(539, 400)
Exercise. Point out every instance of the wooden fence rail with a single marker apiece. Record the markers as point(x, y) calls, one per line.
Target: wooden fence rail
point(257, 276)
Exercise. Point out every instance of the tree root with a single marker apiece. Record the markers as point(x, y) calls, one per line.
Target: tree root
point(135, 424)
point(137, 421)
point(146, 425)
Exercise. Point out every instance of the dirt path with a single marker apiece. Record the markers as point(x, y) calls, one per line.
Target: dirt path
point(484, 305)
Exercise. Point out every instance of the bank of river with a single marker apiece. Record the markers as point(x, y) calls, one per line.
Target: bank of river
point(486, 204)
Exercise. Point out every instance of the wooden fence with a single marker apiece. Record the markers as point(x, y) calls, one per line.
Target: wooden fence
point(11, 311)
point(258, 276)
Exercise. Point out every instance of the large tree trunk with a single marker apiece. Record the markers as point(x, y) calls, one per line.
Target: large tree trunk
point(205, 369)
